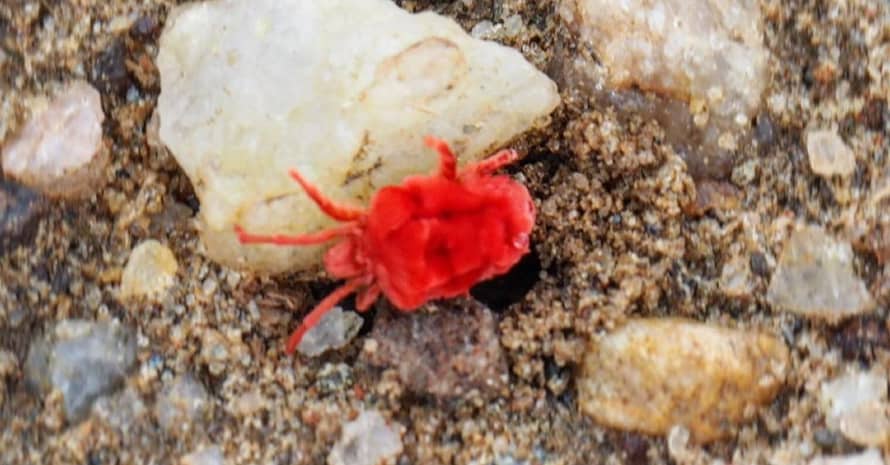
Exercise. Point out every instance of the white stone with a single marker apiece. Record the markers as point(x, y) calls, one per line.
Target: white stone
point(60, 150)
point(150, 271)
point(211, 455)
point(343, 90)
point(855, 404)
point(815, 278)
point(868, 457)
point(367, 440)
point(828, 154)
point(335, 329)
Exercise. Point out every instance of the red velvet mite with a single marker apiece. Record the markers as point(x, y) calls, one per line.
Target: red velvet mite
point(430, 237)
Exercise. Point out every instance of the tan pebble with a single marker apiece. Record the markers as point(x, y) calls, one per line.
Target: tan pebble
point(828, 153)
point(869, 425)
point(653, 374)
point(150, 271)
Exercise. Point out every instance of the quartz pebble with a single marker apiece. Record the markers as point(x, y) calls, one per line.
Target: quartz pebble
point(828, 154)
point(446, 353)
point(150, 271)
point(121, 411)
point(181, 405)
point(335, 329)
point(375, 80)
point(211, 455)
point(60, 149)
point(367, 440)
point(653, 374)
point(867, 457)
point(83, 360)
point(855, 403)
point(815, 278)
point(705, 58)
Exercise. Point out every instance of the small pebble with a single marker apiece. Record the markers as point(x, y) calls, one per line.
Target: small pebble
point(150, 271)
point(653, 374)
point(868, 457)
point(335, 330)
point(121, 411)
point(182, 405)
point(829, 155)
point(368, 440)
point(60, 149)
point(212, 455)
point(83, 360)
point(855, 403)
point(815, 278)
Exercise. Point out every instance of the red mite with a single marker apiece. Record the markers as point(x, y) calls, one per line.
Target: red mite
point(430, 237)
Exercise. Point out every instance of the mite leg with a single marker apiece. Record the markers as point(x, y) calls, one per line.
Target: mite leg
point(494, 162)
point(333, 209)
point(367, 297)
point(302, 239)
point(447, 161)
point(318, 312)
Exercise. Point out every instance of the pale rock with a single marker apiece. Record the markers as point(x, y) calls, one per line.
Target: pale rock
point(343, 90)
point(182, 405)
point(855, 404)
point(83, 360)
point(211, 455)
point(60, 150)
point(815, 278)
point(705, 58)
point(867, 457)
point(367, 440)
point(150, 271)
point(829, 155)
point(651, 375)
point(335, 329)
point(121, 411)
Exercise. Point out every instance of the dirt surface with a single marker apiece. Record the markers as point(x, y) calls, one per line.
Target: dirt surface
point(622, 230)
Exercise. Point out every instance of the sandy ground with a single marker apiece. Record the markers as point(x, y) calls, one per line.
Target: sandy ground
point(600, 197)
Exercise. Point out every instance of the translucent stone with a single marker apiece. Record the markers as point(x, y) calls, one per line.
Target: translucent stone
point(368, 440)
point(828, 154)
point(343, 90)
point(335, 330)
point(815, 278)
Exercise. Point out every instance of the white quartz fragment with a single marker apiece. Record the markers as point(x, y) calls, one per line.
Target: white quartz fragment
point(343, 90)
point(855, 404)
point(828, 153)
point(59, 151)
point(336, 329)
point(367, 440)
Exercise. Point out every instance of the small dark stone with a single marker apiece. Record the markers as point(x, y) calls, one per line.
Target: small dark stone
point(764, 131)
point(826, 438)
point(759, 266)
point(21, 210)
point(635, 448)
point(145, 28)
point(110, 73)
point(873, 114)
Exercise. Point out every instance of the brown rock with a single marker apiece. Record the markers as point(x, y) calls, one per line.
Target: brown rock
point(447, 350)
